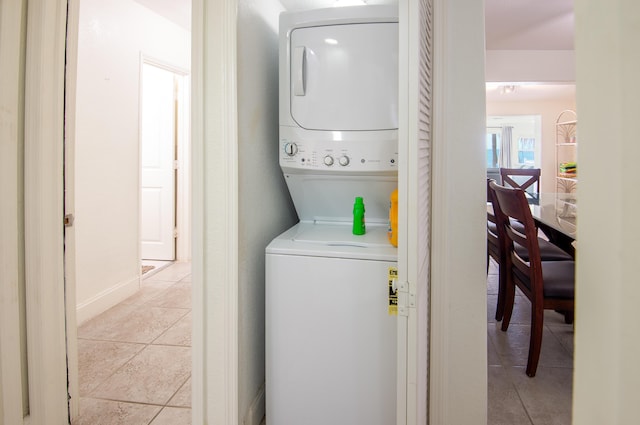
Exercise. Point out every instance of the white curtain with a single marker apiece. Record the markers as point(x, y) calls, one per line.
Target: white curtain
point(505, 147)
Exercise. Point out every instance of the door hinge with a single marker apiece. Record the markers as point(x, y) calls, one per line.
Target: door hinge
point(405, 299)
point(68, 220)
point(176, 164)
point(175, 232)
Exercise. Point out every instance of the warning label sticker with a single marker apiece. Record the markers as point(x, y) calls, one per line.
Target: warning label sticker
point(393, 294)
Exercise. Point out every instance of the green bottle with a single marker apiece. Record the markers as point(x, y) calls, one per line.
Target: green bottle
point(358, 217)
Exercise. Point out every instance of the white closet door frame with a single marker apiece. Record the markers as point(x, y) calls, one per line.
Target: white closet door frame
point(43, 213)
point(11, 212)
point(215, 212)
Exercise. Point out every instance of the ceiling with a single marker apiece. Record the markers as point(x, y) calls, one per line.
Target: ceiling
point(529, 24)
point(177, 11)
point(531, 93)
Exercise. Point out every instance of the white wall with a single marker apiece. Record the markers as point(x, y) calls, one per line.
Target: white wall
point(112, 37)
point(548, 110)
point(530, 65)
point(607, 347)
point(265, 208)
point(458, 362)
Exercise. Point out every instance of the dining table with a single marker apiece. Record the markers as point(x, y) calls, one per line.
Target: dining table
point(555, 215)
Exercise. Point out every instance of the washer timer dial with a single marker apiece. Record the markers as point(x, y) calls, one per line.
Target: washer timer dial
point(290, 148)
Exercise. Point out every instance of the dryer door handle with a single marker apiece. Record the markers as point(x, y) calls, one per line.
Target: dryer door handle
point(299, 70)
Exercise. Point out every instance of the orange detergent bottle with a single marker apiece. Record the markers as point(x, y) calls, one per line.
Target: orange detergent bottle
point(392, 231)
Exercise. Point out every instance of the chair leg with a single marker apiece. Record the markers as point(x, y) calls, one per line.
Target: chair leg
point(508, 300)
point(488, 260)
point(568, 317)
point(535, 339)
point(501, 293)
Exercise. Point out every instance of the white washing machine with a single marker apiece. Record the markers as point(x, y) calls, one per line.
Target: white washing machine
point(330, 323)
point(331, 341)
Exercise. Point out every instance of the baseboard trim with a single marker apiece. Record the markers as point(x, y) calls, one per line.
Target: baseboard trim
point(106, 299)
point(257, 409)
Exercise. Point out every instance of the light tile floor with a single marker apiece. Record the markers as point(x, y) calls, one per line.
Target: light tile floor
point(135, 358)
point(514, 398)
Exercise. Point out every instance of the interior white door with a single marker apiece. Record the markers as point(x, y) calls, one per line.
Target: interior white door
point(414, 188)
point(158, 141)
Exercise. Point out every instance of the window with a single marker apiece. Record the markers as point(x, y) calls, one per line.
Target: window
point(526, 152)
point(513, 141)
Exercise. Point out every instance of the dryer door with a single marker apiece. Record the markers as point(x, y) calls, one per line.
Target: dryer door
point(345, 77)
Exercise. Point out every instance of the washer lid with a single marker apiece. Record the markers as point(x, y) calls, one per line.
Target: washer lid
point(341, 235)
point(334, 240)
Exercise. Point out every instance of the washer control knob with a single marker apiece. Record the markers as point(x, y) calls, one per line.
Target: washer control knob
point(344, 160)
point(328, 160)
point(290, 148)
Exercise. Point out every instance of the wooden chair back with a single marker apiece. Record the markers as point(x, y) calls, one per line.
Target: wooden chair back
point(507, 175)
point(511, 203)
point(492, 236)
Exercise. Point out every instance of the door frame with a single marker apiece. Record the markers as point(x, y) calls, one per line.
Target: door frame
point(215, 211)
point(43, 110)
point(44, 235)
point(12, 21)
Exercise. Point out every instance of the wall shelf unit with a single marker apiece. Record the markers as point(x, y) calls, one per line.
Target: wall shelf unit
point(566, 152)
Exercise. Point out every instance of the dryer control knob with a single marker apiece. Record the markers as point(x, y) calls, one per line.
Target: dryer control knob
point(344, 160)
point(328, 160)
point(290, 149)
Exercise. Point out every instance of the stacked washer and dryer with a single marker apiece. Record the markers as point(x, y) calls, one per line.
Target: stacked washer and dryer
point(330, 334)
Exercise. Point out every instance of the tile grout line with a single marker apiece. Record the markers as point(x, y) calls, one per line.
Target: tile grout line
point(177, 391)
point(168, 328)
point(515, 387)
point(117, 369)
point(145, 345)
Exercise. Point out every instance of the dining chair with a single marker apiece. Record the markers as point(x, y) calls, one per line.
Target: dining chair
point(495, 240)
point(523, 178)
point(495, 251)
point(493, 245)
point(546, 284)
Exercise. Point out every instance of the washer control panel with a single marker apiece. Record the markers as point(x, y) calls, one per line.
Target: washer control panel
point(356, 155)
